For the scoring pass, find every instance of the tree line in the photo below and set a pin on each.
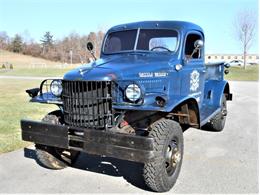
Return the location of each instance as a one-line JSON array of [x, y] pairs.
[[70, 49]]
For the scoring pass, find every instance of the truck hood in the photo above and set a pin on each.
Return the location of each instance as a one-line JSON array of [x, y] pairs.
[[124, 66]]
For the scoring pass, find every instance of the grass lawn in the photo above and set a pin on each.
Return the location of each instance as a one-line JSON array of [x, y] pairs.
[[251, 73], [14, 106]]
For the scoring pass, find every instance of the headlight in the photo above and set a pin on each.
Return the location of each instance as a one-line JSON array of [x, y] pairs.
[[56, 87], [133, 92]]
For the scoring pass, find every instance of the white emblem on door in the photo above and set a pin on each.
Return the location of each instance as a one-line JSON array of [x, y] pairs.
[[194, 80]]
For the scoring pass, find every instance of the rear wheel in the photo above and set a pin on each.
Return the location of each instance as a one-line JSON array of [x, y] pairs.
[[161, 174], [217, 123], [52, 157]]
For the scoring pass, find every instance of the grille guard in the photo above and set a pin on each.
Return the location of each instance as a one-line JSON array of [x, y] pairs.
[[88, 104]]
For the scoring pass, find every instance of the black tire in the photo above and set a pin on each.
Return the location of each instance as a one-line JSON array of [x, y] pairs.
[[161, 174], [52, 157], [217, 123]]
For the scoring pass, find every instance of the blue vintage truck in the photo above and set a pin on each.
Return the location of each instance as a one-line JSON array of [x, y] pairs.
[[150, 84]]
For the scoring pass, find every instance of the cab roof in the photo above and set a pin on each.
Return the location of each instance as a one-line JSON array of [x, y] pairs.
[[179, 25]]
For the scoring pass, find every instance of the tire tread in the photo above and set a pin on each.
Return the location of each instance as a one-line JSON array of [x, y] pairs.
[[154, 171]]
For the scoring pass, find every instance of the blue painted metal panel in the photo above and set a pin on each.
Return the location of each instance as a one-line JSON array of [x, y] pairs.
[[182, 25], [47, 98]]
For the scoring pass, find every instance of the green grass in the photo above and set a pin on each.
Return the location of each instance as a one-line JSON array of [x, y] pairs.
[[251, 73], [14, 105], [14, 102]]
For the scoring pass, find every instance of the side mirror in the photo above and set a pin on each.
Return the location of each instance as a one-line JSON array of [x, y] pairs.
[[198, 44], [90, 46]]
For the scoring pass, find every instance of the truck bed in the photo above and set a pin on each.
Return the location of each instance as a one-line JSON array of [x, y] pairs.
[[215, 70]]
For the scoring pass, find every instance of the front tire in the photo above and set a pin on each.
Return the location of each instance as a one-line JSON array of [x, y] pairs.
[[52, 157], [161, 174]]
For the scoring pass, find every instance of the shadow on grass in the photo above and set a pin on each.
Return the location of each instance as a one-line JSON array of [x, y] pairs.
[[130, 171]]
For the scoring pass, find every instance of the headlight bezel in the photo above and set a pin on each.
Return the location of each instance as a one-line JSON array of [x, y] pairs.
[[58, 84], [131, 98]]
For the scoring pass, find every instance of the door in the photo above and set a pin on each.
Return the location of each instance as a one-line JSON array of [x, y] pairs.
[[193, 77]]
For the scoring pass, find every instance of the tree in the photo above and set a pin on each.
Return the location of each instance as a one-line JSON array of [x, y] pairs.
[[47, 42], [71, 48], [33, 49], [4, 40], [100, 37], [245, 24], [96, 38], [17, 44]]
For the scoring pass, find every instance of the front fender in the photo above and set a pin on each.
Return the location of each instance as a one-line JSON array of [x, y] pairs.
[[43, 94], [47, 98], [150, 103]]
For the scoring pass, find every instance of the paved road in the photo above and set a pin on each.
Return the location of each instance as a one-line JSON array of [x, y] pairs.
[[225, 162]]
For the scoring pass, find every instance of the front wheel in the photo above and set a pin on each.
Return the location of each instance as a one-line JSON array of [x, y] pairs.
[[55, 158], [52, 157], [161, 174]]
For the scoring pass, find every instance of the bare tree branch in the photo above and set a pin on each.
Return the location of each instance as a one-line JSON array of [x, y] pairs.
[[245, 25]]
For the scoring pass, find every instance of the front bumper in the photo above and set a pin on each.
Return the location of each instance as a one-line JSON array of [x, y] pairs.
[[121, 146]]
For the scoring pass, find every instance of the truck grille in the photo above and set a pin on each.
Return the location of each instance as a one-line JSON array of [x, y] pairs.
[[88, 104]]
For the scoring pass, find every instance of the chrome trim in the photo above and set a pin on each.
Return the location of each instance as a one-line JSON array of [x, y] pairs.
[[136, 39]]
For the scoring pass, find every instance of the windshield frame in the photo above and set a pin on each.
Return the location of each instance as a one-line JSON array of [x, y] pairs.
[[137, 39]]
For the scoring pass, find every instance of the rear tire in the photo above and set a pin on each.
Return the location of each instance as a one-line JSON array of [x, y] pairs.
[[161, 174], [52, 157], [217, 123]]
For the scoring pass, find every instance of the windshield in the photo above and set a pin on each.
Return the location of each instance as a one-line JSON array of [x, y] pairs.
[[159, 40]]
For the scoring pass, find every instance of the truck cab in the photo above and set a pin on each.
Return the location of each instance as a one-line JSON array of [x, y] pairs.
[[150, 84]]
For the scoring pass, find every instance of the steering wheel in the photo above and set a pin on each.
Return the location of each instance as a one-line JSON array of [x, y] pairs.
[[160, 47]]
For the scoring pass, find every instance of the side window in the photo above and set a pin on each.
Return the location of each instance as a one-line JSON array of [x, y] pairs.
[[189, 46]]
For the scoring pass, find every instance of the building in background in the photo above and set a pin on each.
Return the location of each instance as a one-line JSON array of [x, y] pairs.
[[251, 58]]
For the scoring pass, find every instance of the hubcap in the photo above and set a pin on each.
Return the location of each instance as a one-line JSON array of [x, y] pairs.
[[172, 157], [223, 110]]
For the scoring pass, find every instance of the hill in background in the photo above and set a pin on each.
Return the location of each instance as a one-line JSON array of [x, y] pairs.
[[24, 65], [23, 61]]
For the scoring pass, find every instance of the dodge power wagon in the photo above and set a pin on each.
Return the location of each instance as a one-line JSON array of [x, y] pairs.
[[150, 84]]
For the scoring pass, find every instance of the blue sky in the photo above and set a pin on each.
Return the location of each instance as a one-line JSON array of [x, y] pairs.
[[61, 17]]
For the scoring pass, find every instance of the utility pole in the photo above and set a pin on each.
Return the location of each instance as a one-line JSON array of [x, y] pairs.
[[71, 54]]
